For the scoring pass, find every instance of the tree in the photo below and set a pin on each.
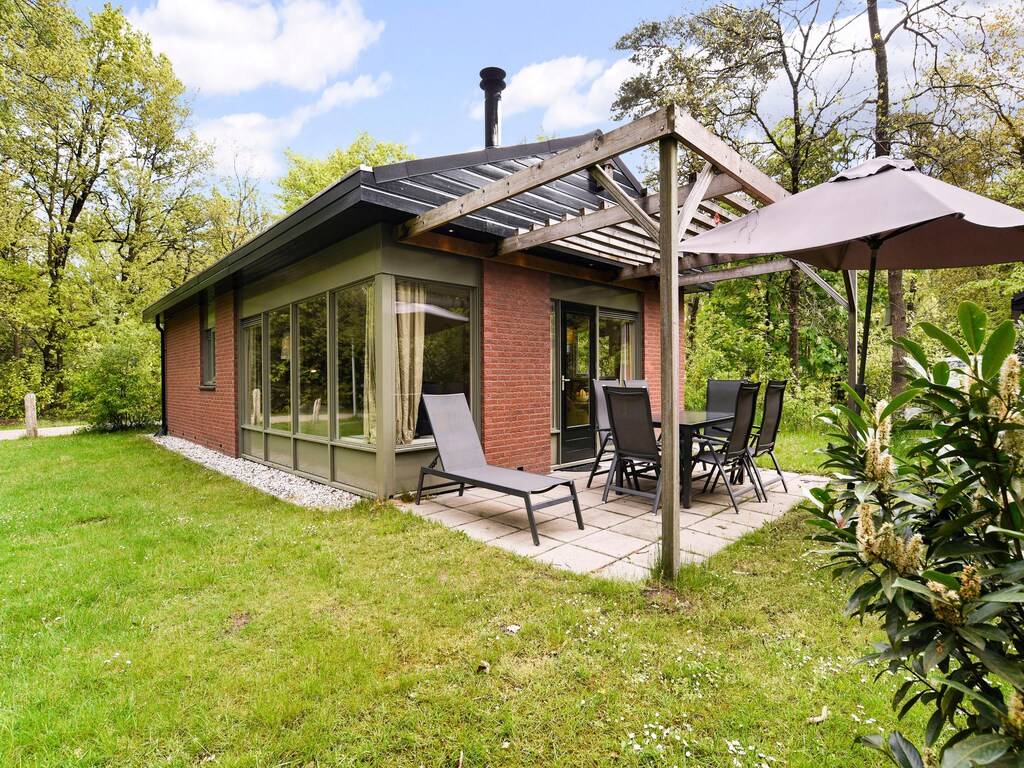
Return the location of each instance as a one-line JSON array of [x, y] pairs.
[[306, 176], [100, 173], [726, 65]]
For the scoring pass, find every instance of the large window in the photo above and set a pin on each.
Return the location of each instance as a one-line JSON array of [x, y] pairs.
[[252, 402], [280, 365], [616, 340], [314, 418], [432, 350], [357, 399]]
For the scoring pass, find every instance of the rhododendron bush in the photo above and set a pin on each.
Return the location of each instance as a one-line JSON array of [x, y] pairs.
[[929, 537]]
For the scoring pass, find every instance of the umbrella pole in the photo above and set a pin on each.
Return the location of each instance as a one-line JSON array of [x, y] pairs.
[[861, 387]]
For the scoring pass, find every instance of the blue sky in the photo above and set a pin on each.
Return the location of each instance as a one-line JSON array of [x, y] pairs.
[[310, 74]]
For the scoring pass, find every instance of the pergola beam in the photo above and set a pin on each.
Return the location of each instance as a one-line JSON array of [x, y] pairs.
[[699, 139], [636, 213], [820, 281], [700, 187], [607, 217], [734, 273], [591, 152]]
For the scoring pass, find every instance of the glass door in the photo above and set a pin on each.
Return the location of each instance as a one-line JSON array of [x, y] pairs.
[[578, 368]]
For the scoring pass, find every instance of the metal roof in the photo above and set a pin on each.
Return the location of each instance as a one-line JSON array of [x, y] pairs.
[[394, 193]]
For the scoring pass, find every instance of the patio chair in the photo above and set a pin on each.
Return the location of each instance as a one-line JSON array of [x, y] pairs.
[[731, 455], [636, 448], [721, 396], [462, 456], [763, 443], [604, 430], [637, 383]]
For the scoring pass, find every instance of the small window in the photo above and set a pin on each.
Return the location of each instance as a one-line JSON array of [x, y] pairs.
[[208, 342]]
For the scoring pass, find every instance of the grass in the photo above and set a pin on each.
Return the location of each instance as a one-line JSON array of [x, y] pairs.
[[795, 450], [154, 612]]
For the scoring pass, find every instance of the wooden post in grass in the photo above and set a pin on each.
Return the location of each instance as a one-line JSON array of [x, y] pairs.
[[31, 424]]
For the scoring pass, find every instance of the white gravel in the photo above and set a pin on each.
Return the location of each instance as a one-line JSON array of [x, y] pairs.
[[297, 490]]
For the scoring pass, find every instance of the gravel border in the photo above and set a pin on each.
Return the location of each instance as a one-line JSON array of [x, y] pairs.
[[276, 482]]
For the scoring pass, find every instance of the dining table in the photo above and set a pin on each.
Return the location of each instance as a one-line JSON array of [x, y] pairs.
[[690, 423]]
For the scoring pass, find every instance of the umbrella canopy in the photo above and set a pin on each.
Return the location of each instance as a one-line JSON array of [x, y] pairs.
[[883, 212], [923, 222]]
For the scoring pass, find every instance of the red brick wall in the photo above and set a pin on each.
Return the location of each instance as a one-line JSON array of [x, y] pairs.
[[652, 350], [204, 416], [516, 380]]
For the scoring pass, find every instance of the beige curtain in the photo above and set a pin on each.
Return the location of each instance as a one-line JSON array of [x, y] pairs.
[[254, 358], [409, 324], [370, 371], [627, 338]]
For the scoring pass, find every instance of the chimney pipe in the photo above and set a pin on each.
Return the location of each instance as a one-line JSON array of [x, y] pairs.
[[492, 81]]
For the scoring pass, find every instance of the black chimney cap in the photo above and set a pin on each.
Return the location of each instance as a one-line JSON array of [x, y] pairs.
[[492, 79]]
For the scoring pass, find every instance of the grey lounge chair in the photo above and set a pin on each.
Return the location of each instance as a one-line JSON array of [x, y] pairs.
[[462, 456]]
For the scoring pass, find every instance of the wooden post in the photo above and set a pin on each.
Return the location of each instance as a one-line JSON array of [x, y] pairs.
[[31, 424], [668, 149]]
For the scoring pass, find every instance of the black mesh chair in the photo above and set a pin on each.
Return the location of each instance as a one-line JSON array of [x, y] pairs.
[[636, 448], [730, 456], [637, 383], [763, 443], [721, 396], [604, 430]]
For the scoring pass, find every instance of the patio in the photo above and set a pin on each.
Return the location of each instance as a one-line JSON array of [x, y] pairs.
[[621, 539]]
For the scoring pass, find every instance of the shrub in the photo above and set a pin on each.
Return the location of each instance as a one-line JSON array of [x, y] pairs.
[[18, 377], [119, 385], [931, 540]]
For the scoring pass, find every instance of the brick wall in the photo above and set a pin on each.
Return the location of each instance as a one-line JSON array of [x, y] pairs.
[[652, 350], [516, 360], [204, 416]]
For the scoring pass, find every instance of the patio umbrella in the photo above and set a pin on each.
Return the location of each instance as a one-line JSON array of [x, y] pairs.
[[882, 213]]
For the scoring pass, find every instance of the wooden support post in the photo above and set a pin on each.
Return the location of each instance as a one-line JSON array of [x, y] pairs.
[[850, 283], [668, 149], [31, 423]]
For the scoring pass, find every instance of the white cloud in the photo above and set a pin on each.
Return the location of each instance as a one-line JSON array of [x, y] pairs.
[[573, 91], [260, 139], [236, 46]]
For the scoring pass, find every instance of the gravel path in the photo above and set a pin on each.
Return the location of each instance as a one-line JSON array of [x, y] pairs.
[[297, 490]]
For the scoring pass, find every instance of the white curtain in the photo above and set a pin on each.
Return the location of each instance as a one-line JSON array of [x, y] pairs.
[[627, 338], [369, 371], [409, 325]]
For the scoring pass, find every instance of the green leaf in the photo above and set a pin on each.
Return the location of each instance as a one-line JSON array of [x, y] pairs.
[[899, 401], [977, 750], [950, 582], [1009, 595], [999, 346], [953, 346], [913, 586], [972, 324], [934, 728], [1000, 665], [940, 373], [903, 752]]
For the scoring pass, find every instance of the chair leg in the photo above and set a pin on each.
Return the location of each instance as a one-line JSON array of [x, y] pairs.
[[657, 496], [533, 523], [726, 483], [755, 479], [576, 504], [419, 488], [597, 460], [779, 470], [611, 474]]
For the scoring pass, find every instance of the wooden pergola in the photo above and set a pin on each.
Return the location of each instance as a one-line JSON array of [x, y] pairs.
[[637, 237]]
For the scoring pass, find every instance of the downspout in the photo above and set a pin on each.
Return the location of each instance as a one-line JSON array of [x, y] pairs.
[[162, 431]]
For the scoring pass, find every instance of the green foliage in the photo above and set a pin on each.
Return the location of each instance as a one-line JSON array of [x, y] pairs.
[[118, 386], [18, 377], [306, 176], [931, 539]]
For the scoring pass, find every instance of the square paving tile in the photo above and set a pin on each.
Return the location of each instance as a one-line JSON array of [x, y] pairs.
[[611, 543], [452, 517], [485, 530], [564, 528], [701, 543], [521, 542], [577, 559]]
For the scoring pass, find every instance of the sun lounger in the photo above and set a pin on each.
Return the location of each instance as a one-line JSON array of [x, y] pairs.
[[462, 457]]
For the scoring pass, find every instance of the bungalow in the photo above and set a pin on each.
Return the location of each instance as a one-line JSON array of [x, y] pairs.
[[514, 275]]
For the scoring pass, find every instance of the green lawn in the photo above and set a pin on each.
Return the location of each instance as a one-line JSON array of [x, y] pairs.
[[153, 612]]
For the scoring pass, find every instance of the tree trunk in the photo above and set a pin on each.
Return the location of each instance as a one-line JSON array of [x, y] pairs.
[[898, 313], [691, 320], [883, 146], [792, 308]]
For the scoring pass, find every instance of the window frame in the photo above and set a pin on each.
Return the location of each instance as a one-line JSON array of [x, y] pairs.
[[207, 342]]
